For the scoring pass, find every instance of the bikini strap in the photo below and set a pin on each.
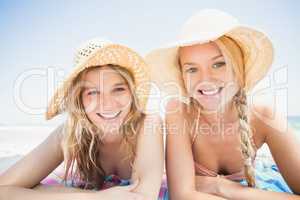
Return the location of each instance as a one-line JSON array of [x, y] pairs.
[[194, 136], [196, 131]]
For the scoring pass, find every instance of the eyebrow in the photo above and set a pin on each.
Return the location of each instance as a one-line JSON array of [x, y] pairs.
[[120, 84], [189, 63], [89, 88], [117, 84], [215, 57]]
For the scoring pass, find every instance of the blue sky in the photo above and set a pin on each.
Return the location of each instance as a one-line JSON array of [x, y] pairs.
[[36, 35]]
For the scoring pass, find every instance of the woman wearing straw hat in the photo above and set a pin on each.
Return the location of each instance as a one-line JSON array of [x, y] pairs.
[[213, 134], [106, 140]]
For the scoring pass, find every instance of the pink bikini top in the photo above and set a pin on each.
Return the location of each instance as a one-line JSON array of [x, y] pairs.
[[204, 171]]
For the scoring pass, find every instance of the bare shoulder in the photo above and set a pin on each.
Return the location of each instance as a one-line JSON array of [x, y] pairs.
[[178, 120], [152, 124], [177, 108], [261, 111], [153, 118], [266, 114], [268, 119], [58, 136], [60, 131]]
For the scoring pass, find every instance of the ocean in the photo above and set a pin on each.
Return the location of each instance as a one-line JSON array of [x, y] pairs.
[[294, 122]]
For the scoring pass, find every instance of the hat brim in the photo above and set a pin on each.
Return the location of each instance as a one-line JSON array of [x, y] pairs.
[[114, 54]]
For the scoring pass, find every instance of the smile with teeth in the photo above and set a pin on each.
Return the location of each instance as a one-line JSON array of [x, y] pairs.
[[210, 92], [109, 116]]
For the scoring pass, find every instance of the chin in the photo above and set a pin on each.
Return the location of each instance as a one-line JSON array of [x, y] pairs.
[[113, 124], [210, 108]]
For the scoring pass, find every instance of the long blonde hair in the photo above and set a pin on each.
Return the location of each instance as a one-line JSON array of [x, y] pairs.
[[234, 57], [82, 138]]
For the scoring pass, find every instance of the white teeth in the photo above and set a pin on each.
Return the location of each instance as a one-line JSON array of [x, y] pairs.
[[110, 115], [210, 92]]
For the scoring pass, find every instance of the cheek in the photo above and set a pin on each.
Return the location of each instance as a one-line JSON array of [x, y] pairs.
[[89, 103], [232, 83], [231, 88], [229, 75], [190, 82], [123, 101], [85, 101]]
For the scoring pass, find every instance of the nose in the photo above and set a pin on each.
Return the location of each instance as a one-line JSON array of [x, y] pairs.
[[106, 103], [205, 74], [206, 79]]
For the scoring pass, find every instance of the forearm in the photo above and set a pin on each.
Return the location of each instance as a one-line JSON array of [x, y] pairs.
[[16, 193], [193, 195], [149, 162], [200, 195], [247, 193], [60, 189], [149, 186]]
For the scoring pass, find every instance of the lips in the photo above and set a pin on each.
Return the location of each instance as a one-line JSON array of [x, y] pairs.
[[109, 116], [210, 92]]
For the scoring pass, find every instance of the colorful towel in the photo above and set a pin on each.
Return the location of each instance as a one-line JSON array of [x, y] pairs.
[[114, 180], [269, 178], [163, 193]]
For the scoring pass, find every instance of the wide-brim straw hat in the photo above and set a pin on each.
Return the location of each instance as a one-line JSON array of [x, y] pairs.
[[101, 52], [205, 26]]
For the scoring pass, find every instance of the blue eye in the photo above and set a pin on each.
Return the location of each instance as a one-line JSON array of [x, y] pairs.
[[218, 64], [119, 89], [94, 92], [191, 70]]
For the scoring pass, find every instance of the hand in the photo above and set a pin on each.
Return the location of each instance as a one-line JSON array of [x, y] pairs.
[[219, 186], [207, 184], [120, 192], [227, 187]]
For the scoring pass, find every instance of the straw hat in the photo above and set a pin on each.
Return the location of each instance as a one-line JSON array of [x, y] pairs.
[[99, 52], [205, 26]]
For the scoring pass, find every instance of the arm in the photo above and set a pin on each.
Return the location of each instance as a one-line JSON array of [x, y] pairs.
[[148, 165], [180, 162], [60, 189], [36, 165], [16, 193], [17, 182], [118, 192], [284, 146], [233, 190]]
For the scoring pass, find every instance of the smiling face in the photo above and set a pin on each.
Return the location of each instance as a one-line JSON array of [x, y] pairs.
[[206, 75], [106, 98]]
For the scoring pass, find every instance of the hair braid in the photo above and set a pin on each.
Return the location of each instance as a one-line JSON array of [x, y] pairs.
[[247, 148]]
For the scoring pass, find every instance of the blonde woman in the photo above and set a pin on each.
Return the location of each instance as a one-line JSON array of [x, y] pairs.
[[213, 134], [106, 140]]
